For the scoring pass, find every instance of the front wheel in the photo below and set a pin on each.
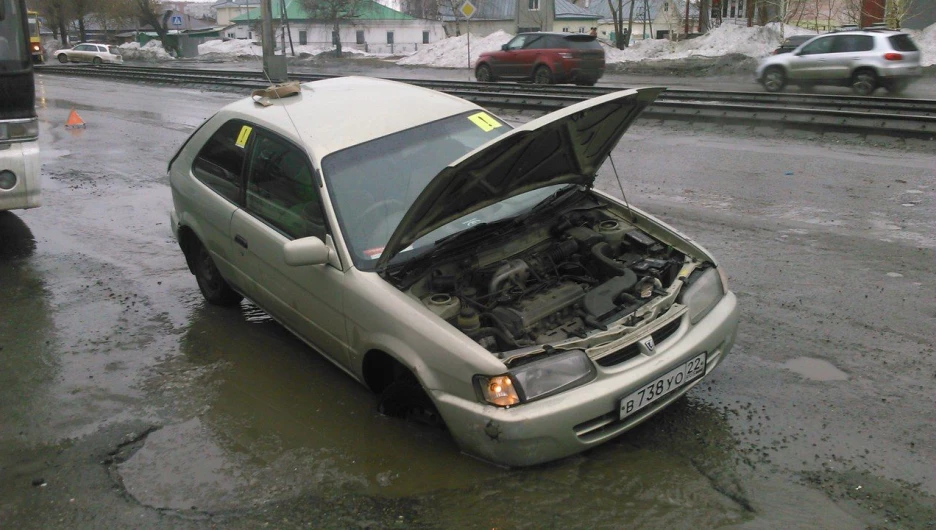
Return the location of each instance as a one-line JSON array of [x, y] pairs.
[[774, 79], [212, 285], [62, 58], [406, 399], [483, 74], [864, 83], [542, 75]]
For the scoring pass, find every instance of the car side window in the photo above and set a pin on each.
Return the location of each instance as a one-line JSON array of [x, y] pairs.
[[220, 162], [853, 43], [281, 188], [517, 42], [818, 46], [535, 43]]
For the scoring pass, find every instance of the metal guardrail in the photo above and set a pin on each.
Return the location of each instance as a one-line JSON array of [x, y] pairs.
[[893, 117]]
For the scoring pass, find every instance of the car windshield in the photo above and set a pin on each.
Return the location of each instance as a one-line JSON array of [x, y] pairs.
[[373, 184]]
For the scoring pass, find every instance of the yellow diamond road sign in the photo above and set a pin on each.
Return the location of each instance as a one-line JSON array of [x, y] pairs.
[[467, 9]]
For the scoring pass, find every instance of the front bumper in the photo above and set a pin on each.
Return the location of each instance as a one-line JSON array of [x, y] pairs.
[[587, 416]]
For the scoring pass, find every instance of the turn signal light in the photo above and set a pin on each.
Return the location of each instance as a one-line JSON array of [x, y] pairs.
[[893, 56], [499, 390]]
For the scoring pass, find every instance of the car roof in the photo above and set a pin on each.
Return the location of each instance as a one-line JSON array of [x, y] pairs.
[[333, 114], [559, 34]]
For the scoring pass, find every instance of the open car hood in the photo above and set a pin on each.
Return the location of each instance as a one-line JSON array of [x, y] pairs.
[[565, 146]]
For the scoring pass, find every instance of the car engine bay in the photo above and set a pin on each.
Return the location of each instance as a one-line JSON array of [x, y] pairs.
[[558, 279]]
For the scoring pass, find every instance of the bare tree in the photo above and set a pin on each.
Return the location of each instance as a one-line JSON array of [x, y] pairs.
[[335, 12], [111, 14], [621, 38], [150, 12], [57, 13], [425, 9], [79, 10], [453, 4]]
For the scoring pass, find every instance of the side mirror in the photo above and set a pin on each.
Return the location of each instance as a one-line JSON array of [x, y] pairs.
[[503, 47], [306, 251]]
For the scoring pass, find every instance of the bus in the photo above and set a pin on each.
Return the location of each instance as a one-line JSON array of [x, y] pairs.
[[35, 42], [19, 125]]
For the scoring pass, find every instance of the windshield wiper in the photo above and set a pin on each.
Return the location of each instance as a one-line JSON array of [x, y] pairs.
[[556, 198]]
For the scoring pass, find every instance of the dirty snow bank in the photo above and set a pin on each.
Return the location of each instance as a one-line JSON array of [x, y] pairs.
[[757, 41], [241, 48], [453, 51], [926, 40], [152, 51]]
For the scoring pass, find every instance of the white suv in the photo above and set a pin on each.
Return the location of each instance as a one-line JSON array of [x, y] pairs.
[[863, 60]]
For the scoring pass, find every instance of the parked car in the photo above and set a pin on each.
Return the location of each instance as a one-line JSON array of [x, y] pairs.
[[791, 43], [88, 52], [863, 60], [545, 58], [466, 272]]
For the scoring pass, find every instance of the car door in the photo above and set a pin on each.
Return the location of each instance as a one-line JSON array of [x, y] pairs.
[[812, 60], [76, 54], [847, 50], [283, 203], [87, 52], [526, 58], [508, 58], [215, 192]]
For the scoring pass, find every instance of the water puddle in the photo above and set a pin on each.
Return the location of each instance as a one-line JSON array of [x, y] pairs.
[[815, 369]]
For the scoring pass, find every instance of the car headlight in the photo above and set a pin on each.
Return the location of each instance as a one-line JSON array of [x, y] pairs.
[[545, 376], [703, 293]]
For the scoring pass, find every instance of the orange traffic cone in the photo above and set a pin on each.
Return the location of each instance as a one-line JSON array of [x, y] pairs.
[[74, 121]]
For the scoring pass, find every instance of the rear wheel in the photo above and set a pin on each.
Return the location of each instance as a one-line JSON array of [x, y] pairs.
[[864, 82], [96, 61], [542, 75], [62, 58], [483, 74], [212, 285], [774, 79]]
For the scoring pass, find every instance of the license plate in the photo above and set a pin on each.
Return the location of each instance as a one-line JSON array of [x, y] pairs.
[[663, 385]]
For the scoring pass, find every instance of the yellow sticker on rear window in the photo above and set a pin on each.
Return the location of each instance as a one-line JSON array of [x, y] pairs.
[[243, 136], [484, 121]]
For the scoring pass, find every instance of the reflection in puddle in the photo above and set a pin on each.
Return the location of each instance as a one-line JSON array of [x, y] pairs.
[[815, 369]]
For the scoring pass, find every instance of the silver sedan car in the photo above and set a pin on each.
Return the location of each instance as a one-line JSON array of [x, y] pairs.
[[90, 53], [465, 271]]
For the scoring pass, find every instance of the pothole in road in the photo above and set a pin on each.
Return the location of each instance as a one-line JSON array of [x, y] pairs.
[[815, 369]]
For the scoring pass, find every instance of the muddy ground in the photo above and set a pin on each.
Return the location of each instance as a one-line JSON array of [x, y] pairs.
[[126, 401]]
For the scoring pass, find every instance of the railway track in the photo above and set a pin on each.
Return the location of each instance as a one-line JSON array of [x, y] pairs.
[[878, 116]]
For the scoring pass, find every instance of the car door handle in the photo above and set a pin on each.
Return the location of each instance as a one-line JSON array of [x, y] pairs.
[[240, 241]]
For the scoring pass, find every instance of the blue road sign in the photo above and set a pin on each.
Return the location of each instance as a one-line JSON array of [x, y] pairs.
[[176, 20]]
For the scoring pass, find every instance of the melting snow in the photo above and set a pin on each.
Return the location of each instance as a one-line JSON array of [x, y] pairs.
[[453, 51]]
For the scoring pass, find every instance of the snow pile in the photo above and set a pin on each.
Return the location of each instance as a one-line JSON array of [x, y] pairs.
[[453, 51], [926, 41], [152, 51], [757, 41], [230, 48], [318, 49]]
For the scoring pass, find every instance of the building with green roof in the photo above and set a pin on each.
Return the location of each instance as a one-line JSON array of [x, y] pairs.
[[369, 27]]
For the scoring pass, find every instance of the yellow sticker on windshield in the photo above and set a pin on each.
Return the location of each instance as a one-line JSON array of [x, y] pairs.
[[243, 136], [484, 121]]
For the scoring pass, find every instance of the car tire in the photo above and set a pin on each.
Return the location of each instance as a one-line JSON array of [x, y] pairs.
[[96, 61], [897, 86], [774, 79], [483, 74], [864, 83], [542, 75], [62, 58], [405, 399], [212, 285]]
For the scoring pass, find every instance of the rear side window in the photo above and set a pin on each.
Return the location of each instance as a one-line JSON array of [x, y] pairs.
[[902, 43], [113, 50], [581, 44], [853, 43], [220, 162]]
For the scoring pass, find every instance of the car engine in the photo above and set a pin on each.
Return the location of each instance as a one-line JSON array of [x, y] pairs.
[[581, 272]]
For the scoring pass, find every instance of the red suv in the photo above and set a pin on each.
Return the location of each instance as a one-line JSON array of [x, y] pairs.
[[545, 58]]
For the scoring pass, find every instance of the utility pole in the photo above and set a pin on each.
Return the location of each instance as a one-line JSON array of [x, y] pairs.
[[274, 66]]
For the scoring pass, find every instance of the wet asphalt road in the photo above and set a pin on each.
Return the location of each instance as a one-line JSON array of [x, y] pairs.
[[126, 401]]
